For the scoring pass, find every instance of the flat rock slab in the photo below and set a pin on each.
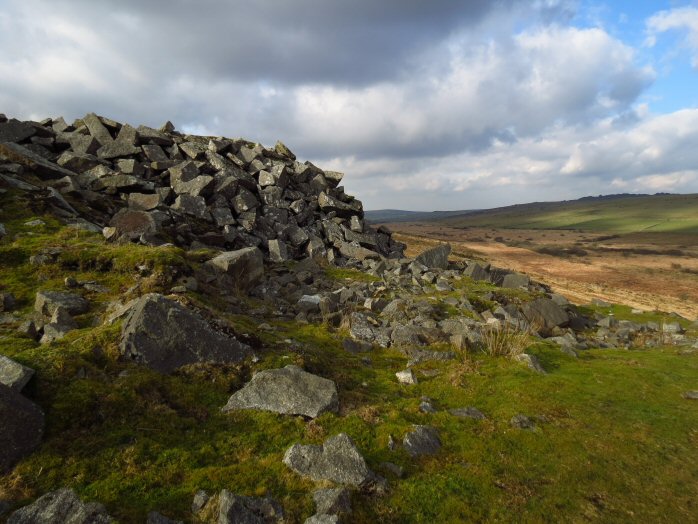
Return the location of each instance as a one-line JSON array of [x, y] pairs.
[[13, 374], [423, 440], [164, 335], [691, 395], [436, 257], [61, 507], [21, 427], [289, 391], [469, 412], [337, 460], [47, 302]]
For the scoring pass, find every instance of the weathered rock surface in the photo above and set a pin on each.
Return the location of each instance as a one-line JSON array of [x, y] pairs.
[[13, 374], [545, 313], [61, 507], [531, 361], [436, 257], [691, 395], [337, 460], [47, 302], [234, 509], [333, 501], [163, 335], [244, 266], [289, 391], [156, 518], [21, 429], [469, 412], [422, 440]]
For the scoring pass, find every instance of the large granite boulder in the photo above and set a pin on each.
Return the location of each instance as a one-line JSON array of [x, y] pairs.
[[21, 428], [164, 335], [61, 507], [337, 460], [436, 257], [289, 391], [13, 374]]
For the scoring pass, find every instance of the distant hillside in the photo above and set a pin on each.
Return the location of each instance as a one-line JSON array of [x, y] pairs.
[[399, 215], [613, 213]]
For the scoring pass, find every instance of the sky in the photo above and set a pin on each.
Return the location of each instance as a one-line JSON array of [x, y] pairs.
[[424, 105]]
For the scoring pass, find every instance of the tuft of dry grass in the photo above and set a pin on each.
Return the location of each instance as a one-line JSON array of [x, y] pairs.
[[504, 340]]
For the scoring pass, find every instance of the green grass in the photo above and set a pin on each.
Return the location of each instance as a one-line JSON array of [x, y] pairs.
[[615, 440], [340, 274], [659, 213]]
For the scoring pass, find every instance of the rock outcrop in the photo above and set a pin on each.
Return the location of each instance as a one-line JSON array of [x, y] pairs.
[[155, 186]]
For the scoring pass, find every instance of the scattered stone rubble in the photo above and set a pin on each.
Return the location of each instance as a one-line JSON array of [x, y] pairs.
[[260, 209], [158, 185]]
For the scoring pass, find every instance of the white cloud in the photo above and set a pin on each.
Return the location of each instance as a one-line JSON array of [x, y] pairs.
[[681, 19]]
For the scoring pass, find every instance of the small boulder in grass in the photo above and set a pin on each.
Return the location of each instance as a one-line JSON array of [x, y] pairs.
[[406, 377], [691, 395]]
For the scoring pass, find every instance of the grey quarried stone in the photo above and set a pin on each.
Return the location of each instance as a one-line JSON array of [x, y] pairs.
[[531, 361], [278, 252], [322, 518], [477, 272], [47, 302], [289, 391], [436, 257], [337, 460], [545, 313], [238, 509], [515, 281], [406, 377], [469, 412], [21, 429], [245, 266], [164, 335], [522, 422], [13, 374], [61, 507], [422, 440], [332, 501]]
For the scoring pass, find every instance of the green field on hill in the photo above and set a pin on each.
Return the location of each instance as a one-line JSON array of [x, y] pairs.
[[658, 213]]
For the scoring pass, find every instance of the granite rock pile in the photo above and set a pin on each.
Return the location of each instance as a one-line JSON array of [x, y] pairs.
[[158, 185]]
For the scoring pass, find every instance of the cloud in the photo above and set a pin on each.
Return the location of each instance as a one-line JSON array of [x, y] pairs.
[[424, 104], [680, 19]]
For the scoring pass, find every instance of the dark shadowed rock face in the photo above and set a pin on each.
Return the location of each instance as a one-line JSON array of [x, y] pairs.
[[423, 440], [61, 507], [48, 301], [164, 335], [21, 427], [244, 267], [290, 391], [337, 460], [436, 257], [238, 509]]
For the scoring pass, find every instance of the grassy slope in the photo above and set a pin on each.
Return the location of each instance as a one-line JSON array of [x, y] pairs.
[[616, 441], [659, 213]]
